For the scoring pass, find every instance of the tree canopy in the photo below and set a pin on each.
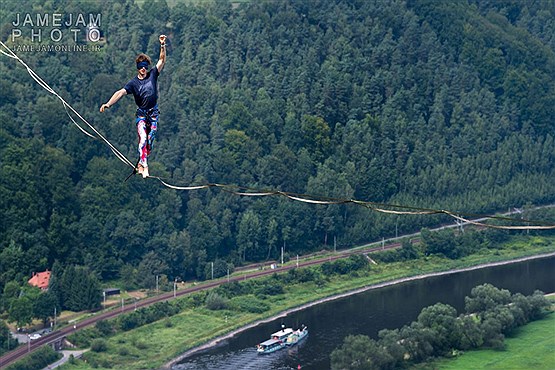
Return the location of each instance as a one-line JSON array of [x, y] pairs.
[[444, 104]]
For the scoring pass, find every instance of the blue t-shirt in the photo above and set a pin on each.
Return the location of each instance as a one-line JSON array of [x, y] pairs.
[[144, 91]]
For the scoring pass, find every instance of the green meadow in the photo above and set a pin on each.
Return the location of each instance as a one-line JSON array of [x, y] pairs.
[[153, 345], [529, 347]]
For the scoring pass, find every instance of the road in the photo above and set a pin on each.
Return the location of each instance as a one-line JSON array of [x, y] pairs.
[[63, 360], [55, 336]]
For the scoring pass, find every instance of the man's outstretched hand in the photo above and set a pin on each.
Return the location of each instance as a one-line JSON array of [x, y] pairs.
[[162, 39]]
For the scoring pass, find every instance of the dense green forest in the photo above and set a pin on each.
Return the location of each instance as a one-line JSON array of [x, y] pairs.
[[437, 104]]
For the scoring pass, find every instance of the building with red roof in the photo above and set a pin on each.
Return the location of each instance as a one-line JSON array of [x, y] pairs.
[[40, 279]]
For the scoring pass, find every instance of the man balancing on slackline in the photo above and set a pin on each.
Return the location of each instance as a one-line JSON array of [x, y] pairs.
[[144, 88]]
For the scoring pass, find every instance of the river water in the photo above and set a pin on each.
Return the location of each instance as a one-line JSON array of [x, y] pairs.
[[366, 313]]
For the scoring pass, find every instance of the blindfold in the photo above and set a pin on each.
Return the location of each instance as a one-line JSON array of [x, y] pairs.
[[142, 64]]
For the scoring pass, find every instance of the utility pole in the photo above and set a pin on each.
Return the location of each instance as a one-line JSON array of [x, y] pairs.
[[460, 224], [156, 283], [282, 251], [519, 211], [212, 263]]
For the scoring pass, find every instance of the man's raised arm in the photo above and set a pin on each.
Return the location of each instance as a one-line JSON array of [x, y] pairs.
[[162, 59]]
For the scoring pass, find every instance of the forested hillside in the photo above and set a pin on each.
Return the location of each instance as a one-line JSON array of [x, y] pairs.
[[439, 104]]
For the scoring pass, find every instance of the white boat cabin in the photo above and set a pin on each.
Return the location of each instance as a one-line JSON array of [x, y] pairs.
[[282, 334]]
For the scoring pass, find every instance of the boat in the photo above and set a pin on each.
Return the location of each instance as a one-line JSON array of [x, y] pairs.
[[297, 336], [282, 335], [277, 341], [269, 346]]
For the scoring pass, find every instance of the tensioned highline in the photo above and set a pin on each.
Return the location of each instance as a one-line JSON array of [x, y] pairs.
[[522, 224]]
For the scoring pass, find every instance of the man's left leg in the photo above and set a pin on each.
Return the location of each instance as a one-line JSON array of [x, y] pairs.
[[151, 128]]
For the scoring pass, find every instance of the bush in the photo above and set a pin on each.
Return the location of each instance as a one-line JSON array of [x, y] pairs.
[[388, 256], [105, 363], [214, 301], [37, 360], [104, 327], [344, 266], [99, 345], [270, 288], [83, 338], [140, 345], [129, 321], [250, 304], [231, 289], [538, 305], [302, 275], [147, 315], [439, 331], [123, 351]]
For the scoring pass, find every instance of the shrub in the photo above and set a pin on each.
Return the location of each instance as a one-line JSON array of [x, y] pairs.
[[83, 338], [141, 345], [388, 256], [302, 275], [231, 289], [327, 268], [538, 305], [250, 304], [123, 351], [129, 321], [344, 266], [214, 301], [105, 363], [36, 360], [104, 327], [99, 345], [270, 288]]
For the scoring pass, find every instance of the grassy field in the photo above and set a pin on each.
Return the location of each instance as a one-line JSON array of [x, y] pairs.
[[153, 345], [529, 347]]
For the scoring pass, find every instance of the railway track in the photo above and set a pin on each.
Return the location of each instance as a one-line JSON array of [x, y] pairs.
[[58, 335]]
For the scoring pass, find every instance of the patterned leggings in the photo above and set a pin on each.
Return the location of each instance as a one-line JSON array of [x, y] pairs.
[[147, 124]]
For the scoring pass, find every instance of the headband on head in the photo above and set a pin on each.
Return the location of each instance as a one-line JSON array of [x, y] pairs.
[[142, 64]]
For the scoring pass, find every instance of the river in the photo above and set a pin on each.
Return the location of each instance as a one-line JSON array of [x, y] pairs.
[[366, 313]]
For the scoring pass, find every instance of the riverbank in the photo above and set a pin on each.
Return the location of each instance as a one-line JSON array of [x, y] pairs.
[[218, 340], [195, 327]]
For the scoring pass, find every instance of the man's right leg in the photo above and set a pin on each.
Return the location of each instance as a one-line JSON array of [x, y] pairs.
[[143, 153]]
